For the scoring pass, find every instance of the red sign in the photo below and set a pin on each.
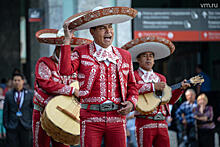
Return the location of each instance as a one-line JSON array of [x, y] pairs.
[[182, 35], [210, 35], [34, 19], [34, 15]]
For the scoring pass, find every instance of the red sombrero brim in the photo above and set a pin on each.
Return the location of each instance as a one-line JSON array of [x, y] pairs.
[[49, 36], [76, 16], [103, 16], [161, 47]]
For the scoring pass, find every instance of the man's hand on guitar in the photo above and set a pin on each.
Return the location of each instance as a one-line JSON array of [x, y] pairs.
[[184, 84], [76, 94], [159, 85]]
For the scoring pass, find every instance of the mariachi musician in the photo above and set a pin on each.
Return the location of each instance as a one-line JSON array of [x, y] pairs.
[[49, 83], [152, 129], [106, 78]]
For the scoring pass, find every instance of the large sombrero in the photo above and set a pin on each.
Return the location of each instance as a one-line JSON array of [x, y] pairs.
[[56, 37], [161, 47], [101, 16]]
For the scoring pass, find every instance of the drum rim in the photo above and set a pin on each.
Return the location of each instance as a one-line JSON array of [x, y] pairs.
[[72, 142]]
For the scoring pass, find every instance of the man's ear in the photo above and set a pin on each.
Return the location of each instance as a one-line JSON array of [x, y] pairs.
[[91, 31], [137, 60]]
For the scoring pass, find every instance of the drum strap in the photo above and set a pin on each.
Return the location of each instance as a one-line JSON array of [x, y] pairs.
[[38, 108]]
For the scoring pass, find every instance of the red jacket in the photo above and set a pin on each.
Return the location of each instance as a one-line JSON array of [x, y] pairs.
[[86, 64], [49, 83]]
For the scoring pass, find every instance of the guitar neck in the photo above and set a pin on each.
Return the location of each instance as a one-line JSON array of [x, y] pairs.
[[178, 85]]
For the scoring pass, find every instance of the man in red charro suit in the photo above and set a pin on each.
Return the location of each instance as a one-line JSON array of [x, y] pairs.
[[49, 83], [107, 84], [152, 129]]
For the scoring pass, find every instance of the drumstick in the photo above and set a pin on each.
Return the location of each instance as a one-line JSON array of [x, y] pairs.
[[145, 99], [68, 114]]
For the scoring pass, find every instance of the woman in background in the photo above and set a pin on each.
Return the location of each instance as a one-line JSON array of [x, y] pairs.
[[205, 124], [2, 129]]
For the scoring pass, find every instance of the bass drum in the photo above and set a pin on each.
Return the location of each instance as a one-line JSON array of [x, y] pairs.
[[60, 119]]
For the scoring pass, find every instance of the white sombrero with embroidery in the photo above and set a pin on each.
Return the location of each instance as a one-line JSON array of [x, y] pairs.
[[100, 16], [56, 37], [161, 47]]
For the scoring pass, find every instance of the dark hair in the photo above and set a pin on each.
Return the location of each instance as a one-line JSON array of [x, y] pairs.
[[199, 66], [138, 56], [93, 28], [18, 74], [16, 70], [3, 80]]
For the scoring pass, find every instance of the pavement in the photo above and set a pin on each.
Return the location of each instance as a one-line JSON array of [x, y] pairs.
[[173, 139]]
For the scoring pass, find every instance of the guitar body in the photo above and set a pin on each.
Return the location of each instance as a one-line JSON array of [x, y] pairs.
[[149, 102], [61, 127], [167, 95]]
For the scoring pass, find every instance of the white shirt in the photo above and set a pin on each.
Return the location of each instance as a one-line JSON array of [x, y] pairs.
[[21, 95], [148, 73], [98, 47]]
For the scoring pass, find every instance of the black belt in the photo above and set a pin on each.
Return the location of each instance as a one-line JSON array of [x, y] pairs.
[[101, 107], [158, 116]]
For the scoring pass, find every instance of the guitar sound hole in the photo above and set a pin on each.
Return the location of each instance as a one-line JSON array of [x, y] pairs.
[[159, 93]]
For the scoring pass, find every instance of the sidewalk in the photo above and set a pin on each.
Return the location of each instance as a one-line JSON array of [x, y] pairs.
[[173, 139]]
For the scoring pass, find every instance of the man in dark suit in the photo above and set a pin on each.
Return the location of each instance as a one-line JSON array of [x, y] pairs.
[[17, 114]]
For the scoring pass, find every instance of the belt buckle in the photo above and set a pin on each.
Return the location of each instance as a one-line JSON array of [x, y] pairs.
[[159, 116], [105, 107]]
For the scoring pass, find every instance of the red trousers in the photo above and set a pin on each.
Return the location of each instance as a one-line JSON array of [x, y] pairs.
[[95, 126], [150, 132], [40, 138]]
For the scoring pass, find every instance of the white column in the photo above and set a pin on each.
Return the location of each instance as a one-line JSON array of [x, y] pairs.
[[55, 17], [123, 30]]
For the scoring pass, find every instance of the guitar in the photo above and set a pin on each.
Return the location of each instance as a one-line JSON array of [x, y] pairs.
[[148, 102]]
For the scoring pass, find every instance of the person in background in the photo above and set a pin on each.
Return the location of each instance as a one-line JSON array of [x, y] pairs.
[[206, 85], [3, 83], [2, 128], [169, 119], [26, 85], [173, 124], [205, 124], [131, 137], [16, 71], [8, 87], [185, 119], [17, 114], [217, 128]]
